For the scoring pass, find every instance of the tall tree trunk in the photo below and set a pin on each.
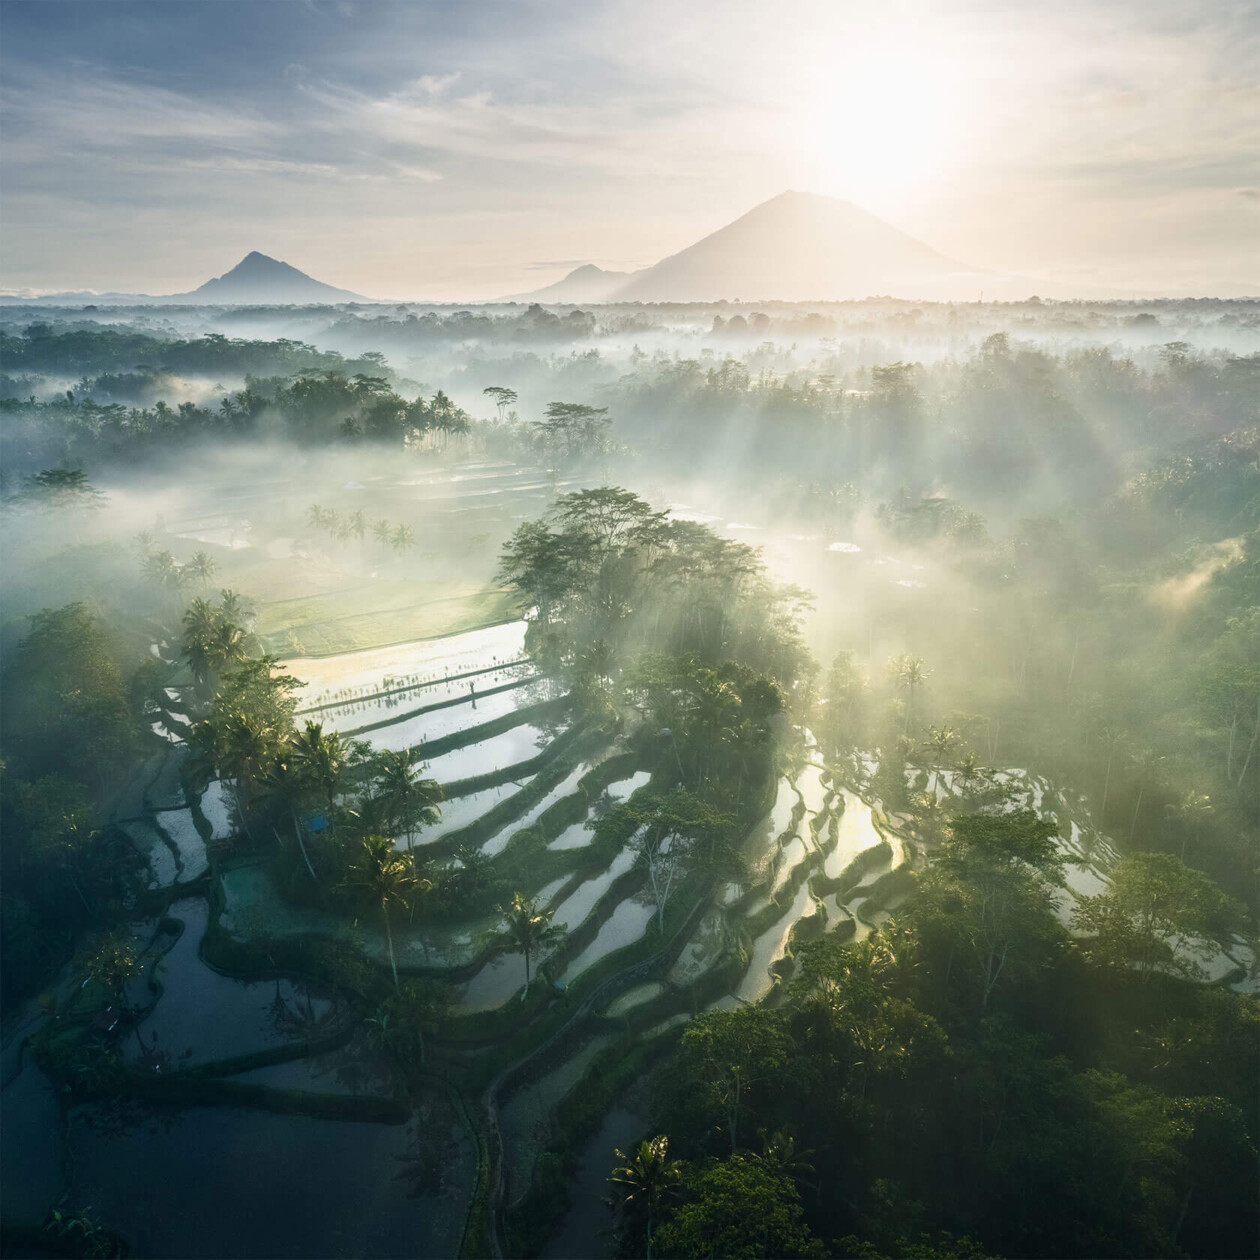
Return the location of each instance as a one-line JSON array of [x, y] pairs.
[[1251, 748], [389, 941], [297, 827]]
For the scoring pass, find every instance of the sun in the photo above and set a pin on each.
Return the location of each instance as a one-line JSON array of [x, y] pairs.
[[878, 130]]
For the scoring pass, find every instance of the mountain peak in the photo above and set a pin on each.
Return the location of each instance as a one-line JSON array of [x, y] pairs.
[[801, 246], [259, 278]]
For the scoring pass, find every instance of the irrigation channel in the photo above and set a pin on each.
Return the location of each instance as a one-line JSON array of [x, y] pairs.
[[249, 1083]]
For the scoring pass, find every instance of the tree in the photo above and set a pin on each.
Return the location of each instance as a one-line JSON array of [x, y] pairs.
[[62, 487], [940, 743], [989, 896], [212, 642], [574, 431], [670, 834], [503, 398], [288, 786], [399, 1023], [739, 1209], [1152, 914], [383, 878], [160, 569], [412, 801], [530, 929], [113, 965], [910, 672], [63, 692], [968, 772], [725, 1055], [201, 568], [324, 760], [644, 1183], [1191, 810]]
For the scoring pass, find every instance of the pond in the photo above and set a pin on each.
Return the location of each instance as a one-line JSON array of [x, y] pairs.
[[500, 979], [635, 997], [584, 1229], [218, 806], [179, 825], [350, 1071], [202, 1015], [210, 1182], [627, 924], [415, 731], [702, 950], [520, 743], [582, 900], [145, 836], [462, 810], [525, 1119], [578, 836], [31, 1147], [453, 653], [566, 787], [348, 710], [856, 833], [770, 946]]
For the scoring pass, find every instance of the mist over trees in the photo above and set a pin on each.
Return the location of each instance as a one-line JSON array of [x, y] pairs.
[[990, 573]]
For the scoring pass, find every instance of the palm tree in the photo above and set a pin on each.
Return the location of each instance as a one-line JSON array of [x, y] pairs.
[[411, 800], [160, 569], [941, 743], [911, 674], [531, 929], [248, 749], [382, 531], [402, 538], [383, 878], [782, 1156], [288, 786], [645, 1181], [235, 607], [968, 771], [201, 568], [323, 759]]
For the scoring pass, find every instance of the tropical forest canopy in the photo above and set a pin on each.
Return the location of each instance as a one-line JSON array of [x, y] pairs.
[[987, 577]]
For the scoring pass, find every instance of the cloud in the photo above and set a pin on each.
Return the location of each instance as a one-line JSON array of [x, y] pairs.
[[472, 138]]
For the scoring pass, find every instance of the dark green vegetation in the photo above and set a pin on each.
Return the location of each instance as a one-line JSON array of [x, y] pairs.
[[799, 996], [967, 1082]]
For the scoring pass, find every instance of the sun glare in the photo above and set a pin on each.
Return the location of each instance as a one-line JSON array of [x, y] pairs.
[[878, 132]]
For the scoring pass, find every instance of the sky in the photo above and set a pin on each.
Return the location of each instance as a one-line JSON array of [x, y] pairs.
[[463, 151]]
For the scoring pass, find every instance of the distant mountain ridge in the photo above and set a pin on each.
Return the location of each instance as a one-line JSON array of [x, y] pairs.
[[260, 279], [796, 247], [257, 280]]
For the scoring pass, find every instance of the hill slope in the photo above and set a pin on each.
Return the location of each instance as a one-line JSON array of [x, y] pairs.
[[798, 247], [259, 279], [587, 283]]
